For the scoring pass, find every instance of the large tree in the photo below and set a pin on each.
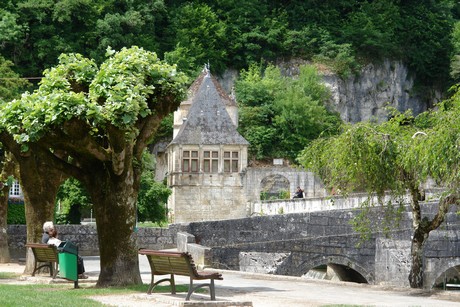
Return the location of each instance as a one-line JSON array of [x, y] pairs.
[[396, 157], [94, 123], [7, 167], [40, 179]]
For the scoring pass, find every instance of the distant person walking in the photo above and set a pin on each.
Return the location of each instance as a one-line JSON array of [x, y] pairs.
[[298, 193]]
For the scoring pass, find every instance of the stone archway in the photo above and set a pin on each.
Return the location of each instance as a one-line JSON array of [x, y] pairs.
[[449, 276], [274, 186], [335, 267]]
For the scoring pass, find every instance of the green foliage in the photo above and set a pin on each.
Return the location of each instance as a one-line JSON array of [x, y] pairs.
[[365, 157], [122, 82], [153, 195], [339, 57], [10, 30], [263, 195], [71, 198], [58, 295], [371, 216], [301, 113], [371, 29], [165, 131], [124, 89], [455, 61], [199, 37], [284, 194], [152, 200], [225, 33], [11, 85], [280, 115], [16, 213], [424, 34]]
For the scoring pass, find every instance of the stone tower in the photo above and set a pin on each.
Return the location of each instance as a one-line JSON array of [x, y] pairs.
[[207, 157]]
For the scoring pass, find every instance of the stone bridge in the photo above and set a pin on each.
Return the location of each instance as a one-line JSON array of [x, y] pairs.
[[325, 243], [319, 242]]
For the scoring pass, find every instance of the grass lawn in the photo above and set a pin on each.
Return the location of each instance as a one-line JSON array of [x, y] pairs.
[[64, 294]]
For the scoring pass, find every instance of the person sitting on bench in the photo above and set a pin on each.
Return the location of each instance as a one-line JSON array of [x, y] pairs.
[[47, 227], [55, 241]]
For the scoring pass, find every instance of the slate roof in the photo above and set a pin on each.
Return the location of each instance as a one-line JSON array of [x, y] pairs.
[[208, 122]]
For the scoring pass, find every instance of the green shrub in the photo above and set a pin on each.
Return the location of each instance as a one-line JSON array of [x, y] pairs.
[[284, 194], [16, 212], [263, 195]]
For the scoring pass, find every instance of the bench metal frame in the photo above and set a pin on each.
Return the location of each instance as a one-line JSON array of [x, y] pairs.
[[176, 263]]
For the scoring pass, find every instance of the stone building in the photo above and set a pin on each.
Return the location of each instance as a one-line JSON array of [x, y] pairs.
[[207, 157], [206, 163]]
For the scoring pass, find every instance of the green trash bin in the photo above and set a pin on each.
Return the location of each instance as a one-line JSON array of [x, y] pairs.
[[68, 266], [68, 260]]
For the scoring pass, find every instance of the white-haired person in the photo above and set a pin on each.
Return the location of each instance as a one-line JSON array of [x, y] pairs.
[[47, 228], [52, 239]]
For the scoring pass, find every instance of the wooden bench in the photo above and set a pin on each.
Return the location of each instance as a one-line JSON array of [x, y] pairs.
[[175, 263], [47, 255]]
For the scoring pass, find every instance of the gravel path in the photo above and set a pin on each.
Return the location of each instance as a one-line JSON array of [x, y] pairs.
[[240, 289]]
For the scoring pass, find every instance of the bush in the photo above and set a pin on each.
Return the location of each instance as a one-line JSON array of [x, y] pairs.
[[16, 212]]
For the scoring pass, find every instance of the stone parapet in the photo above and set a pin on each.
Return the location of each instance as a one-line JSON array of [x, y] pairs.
[[85, 237]]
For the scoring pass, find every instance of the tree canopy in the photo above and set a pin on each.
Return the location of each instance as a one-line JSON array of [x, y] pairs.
[[228, 34], [93, 123]]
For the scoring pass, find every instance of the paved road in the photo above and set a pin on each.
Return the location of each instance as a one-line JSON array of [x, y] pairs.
[[273, 291]]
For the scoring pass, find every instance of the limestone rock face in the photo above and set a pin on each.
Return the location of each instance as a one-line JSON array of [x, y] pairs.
[[364, 97]]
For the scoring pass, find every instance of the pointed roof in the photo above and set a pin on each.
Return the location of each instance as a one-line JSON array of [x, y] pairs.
[[208, 122], [193, 89]]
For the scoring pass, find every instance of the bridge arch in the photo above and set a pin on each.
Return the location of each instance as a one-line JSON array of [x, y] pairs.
[[445, 271], [346, 268]]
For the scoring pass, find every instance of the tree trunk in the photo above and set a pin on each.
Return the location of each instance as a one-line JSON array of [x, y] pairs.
[[422, 228], [417, 270], [40, 184], [8, 169], [4, 249], [114, 204]]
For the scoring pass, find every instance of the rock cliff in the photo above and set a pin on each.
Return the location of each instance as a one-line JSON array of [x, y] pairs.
[[364, 96]]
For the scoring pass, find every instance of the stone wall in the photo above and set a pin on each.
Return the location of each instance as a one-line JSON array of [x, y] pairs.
[[392, 262], [314, 204], [220, 200], [293, 244], [85, 237]]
